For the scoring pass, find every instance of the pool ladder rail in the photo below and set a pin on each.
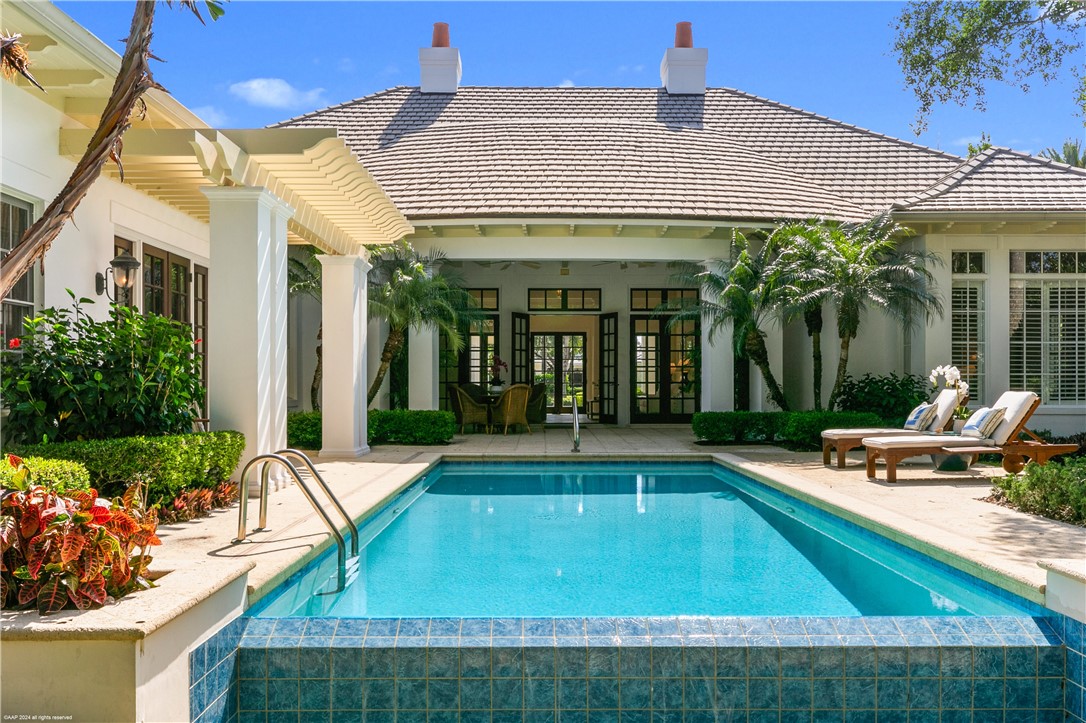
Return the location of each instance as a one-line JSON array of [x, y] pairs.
[[576, 426], [283, 457]]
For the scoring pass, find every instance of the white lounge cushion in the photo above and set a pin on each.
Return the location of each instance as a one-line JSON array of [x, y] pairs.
[[926, 440], [864, 432], [1017, 405], [920, 417], [945, 404]]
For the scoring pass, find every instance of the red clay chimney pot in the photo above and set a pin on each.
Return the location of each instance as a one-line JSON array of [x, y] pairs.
[[684, 35], [441, 35]]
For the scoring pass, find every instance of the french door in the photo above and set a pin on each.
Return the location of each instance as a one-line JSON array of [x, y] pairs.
[[558, 362], [664, 369], [608, 376]]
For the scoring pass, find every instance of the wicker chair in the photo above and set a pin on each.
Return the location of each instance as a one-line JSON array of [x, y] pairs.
[[537, 401], [512, 407], [471, 412]]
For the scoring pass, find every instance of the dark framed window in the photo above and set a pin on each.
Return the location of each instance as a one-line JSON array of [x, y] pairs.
[[653, 299], [200, 316], [15, 219], [487, 299], [166, 284], [564, 299], [967, 262]]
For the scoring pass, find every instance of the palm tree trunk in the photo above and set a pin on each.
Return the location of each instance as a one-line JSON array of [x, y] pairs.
[[754, 345], [392, 345], [842, 371], [812, 318], [318, 372]]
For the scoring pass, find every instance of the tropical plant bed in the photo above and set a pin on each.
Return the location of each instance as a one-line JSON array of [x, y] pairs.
[[391, 426], [792, 430], [1056, 491]]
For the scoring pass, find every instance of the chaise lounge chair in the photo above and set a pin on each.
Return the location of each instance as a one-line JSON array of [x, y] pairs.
[[1002, 440], [843, 440]]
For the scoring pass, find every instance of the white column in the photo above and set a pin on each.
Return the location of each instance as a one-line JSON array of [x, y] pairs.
[[247, 329], [343, 391], [422, 375], [997, 360], [717, 371], [376, 334]]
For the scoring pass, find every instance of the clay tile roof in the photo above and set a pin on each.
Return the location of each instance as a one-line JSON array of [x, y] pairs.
[[1000, 179], [487, 151]]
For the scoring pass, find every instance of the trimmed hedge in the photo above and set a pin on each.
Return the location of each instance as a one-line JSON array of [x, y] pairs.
[[889, 396], [799, 429], [304, 430], [1057, 490], [393, 426], [59, 475], [170, 465]]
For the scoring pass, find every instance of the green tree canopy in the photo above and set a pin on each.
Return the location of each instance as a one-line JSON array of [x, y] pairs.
[[1071, 153], [950, 50]]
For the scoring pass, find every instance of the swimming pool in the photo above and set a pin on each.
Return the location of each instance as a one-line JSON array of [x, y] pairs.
[[620, 540]]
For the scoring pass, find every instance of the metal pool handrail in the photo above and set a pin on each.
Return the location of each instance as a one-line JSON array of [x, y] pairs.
[[266, 461], [576, 426], [304, 459]]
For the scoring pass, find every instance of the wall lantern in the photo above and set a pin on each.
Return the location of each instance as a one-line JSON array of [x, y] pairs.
[[123, 268]]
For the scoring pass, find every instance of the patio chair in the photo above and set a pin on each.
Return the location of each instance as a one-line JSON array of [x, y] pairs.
[[1003, 440], [843, 440], [512, 407], [537, 403], [471, 411]]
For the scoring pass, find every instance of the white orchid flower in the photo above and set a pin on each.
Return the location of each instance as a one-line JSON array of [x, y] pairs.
[[952, 375]]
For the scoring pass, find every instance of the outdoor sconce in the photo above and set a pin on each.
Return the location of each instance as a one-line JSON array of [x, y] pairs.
[[123, 268]]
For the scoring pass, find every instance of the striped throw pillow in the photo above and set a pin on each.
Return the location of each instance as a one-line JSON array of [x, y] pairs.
[[983, 422], [921, 417]]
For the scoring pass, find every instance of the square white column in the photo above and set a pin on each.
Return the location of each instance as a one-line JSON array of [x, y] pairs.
[[247, 291], [717, 371], [422, 374], [343, 388]]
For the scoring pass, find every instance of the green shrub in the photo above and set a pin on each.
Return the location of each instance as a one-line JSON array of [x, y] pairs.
[[304, 430], [169, 465], [73, 377], [803, 430], [58, 475], [889, 396], [411, 426], [797, 429], [1056, 490]]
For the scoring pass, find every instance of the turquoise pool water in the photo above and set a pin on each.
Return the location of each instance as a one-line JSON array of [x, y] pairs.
[[623, 539]]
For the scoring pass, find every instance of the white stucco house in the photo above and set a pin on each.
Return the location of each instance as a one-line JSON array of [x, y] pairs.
[[560, 207]]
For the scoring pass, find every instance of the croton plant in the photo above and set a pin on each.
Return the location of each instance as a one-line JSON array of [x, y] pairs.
[[72, 549]]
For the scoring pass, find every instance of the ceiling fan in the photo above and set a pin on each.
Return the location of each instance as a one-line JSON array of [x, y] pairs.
[[626, 264], [507, 263]]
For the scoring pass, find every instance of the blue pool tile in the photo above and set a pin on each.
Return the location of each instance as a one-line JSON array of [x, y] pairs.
[[634, 693], [508, 694], [283, 694], [315, 641], [956, 662], [1021, 662], [849, 626], [793, 641], [788, 626], [987, 693], [699, 716], [667, 694], [859, 694], [378, 694], [798, 693], [956, 693], [252, 663], [630, 627], [827, 662], [315, 695], [636, 716], [569, 627], [828, 640], [442, 642], [923, 716], [348, 641], [887, 625], [819, 626], [282, 663], [539, 662], [474, 662], [573, 694], [892, 693], [315, 662], [475, 628], [695, 626], [828, 692], [868, 640], [947, 640], [253, 695], [259, 626], [985, 640], [988, 662], [667, 662], [764, 662], [346, 695], [763, 716], [507, 662], [414, 628], [1021, 693], [730, 641], [529, 716], [321, 627], [352, 628], [445, 627], [540, 693], [603, 716], [284, 641], [731, 693], [578, 641], [756, 626], [763, 693], [945, 626], [443, 662], [380, 662], [889, 641], [828, 716], [635, 662], [346, 662], [699, 662], [795, 662], [923, 662], [382, 642], [382, 627], [956, 716], [663, 626], [923, 693], [283, 717], [447, 693], [601, 626], [253, 641], [506, 642], [1051, 661], [508, 627], [539, 627], [571, 662], [410, 716], [731, 662], [289, 626], [603, 693], [894, 716], [892, 662], [726, 626], [410, 662], [603, 662]]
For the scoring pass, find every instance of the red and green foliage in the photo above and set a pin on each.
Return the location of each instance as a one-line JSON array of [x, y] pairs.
[[73, 549], [191, 504]]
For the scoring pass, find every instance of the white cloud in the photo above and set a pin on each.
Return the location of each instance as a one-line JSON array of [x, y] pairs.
[[390, 69], [275, 93], [567, 83], [212, 116], [965, 141], [345, 65]]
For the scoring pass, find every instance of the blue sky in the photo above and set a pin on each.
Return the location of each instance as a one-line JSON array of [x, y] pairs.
[[268, 61]]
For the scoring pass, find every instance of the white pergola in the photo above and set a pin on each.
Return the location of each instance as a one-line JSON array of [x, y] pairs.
[[260, 190]]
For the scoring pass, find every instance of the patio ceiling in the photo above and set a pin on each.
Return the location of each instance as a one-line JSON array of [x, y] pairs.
[[338, 206]]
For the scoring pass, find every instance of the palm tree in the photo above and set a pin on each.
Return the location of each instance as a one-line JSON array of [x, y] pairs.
[[304, 279], [407, 296], [745, 293], [799, 243], [1071, 154], [860, 266]]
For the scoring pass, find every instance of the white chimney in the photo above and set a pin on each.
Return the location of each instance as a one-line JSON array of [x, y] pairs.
[[439, 64], [682, 71]]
